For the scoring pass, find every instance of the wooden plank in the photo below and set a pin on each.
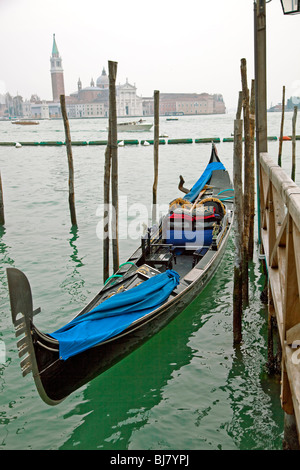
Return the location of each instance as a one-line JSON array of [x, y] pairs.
[[286, 393], [291, 295], [279, 178], [293, 375], [275, 285], [293, 206], [296, 240], [280, 240], [194, 274], [279, 210], [271, 224], [264, 185]]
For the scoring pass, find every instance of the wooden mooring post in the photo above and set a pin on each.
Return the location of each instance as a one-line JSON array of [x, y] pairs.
[[244, 199], [156, 147], [252, 174], [112, 67], [281, 126], [106, 201], [70, 160], [111, 176], [2, 218], [239, 224], [294, 120], [247, 169]]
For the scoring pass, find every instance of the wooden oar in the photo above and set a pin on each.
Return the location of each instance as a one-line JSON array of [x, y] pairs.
[[199, 196]]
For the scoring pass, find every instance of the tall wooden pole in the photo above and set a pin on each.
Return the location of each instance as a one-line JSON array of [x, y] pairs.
[[252, 172], [106, 200], [2, 218], [281, 126], [239, 106], [112, 67], [70, 160], [260, 92], [294, 120], [238, 203], [156, 146], [247, 178]]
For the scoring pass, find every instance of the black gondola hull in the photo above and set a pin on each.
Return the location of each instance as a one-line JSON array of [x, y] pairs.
[[64, 377], [55, 378]]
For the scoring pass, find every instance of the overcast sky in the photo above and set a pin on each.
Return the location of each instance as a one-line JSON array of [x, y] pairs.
[[189, 46]]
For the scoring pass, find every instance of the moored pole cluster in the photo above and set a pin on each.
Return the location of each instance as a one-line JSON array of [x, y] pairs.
[[244, 199]]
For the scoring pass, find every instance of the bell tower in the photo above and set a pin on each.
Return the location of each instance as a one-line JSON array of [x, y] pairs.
[[57, 73]]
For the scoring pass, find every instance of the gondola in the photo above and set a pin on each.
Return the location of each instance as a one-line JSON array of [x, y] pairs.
[[174, 262]]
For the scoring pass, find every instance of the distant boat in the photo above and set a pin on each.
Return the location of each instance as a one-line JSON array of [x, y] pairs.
[[172, 119], [134, 126], [24, 122]]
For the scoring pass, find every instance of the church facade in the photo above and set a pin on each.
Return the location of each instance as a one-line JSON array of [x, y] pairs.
[[93, 100]]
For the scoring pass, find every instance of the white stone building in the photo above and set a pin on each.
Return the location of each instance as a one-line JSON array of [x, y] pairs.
[[128, 103]]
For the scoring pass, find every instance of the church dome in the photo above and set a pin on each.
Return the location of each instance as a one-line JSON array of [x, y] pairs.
[[102, 81]]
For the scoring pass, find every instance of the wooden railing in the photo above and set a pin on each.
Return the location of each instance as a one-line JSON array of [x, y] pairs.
[[280, 237]]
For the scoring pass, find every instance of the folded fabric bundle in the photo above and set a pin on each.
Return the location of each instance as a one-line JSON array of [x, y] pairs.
[[115, 314]]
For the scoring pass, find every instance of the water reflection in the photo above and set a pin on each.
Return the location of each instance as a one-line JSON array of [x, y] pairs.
[[253, 394], [117, 403], [73, 284], [6, 261], [220, 395]]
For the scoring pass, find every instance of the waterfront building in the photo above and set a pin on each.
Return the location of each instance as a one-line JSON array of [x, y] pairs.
[[92, 101], [128, 103], [191, 103], [40, 110], [26, 109]]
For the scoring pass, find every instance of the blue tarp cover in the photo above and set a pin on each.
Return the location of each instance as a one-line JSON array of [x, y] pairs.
[[114, 314], [191, 196]]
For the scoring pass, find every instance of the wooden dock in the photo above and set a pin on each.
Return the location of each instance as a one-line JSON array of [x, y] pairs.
[[280, 238]]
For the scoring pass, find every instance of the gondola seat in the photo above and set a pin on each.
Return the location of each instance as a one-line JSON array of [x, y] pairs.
[[193, 228], [199, 253], [157, 254]]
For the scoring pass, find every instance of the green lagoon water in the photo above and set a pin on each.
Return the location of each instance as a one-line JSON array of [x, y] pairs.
[[187, 388]]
